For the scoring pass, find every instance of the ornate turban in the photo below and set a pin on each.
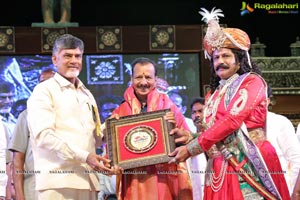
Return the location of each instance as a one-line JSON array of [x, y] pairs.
[[218, 37]]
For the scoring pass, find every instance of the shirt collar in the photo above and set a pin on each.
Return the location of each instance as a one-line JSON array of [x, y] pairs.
[[63, 82]]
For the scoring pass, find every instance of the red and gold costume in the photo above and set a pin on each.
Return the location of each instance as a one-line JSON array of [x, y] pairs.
[[234, 119], [154, 185], [240, 99]]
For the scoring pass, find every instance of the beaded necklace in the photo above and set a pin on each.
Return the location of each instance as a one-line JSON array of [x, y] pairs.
[[210, 114], [213, 103]]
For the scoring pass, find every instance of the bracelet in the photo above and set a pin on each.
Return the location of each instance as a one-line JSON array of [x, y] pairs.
[[194, 148]]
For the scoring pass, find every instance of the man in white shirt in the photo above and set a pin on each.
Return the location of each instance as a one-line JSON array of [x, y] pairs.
[[197, 164], [23, 164], [64, 126], [3, 176], [281, 134], [7, 99]]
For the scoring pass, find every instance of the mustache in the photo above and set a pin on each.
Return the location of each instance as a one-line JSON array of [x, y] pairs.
[[223, 66], [143, 86], [197, 120]]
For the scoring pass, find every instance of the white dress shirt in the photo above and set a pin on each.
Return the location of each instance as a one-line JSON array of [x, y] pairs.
[[61, 124], [3, 145], [281, 134]]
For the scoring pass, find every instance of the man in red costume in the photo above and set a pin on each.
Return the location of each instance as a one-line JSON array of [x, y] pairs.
[[233, 128], [142, 96]]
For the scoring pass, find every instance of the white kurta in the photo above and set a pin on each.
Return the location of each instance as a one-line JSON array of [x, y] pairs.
[[281, 134], [61, 124]]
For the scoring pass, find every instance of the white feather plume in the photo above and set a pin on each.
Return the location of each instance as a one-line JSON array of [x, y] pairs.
[[213, 14], [214, 36]]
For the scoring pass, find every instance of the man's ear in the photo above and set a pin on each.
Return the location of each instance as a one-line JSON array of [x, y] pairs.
[[54, 60]]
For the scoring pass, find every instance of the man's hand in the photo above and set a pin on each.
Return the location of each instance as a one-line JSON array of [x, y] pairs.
[[181, 136], [170, 117], [180, 154], [102, 164]]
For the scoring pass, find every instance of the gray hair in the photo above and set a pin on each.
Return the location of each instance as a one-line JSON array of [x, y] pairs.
[[67, 41]]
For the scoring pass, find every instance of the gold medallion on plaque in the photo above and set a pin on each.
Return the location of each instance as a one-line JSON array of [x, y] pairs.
[[140, 139]]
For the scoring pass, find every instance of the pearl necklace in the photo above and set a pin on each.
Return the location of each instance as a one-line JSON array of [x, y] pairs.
[[210, 112], [217, 181]]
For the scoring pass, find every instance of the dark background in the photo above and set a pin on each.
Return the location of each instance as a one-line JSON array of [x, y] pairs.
[[276, 31]]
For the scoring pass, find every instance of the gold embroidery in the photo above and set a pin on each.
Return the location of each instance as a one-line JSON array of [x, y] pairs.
[[240, 103], [210, 110], [257, 135]]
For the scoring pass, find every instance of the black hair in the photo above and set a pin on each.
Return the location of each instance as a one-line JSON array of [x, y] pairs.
[[18, 103], [269, 91], [183, 96], [143, 60], [6, 87], [242, 59], [195, 100]]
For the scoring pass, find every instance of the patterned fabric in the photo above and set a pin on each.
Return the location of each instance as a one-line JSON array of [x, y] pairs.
[[235, 39]]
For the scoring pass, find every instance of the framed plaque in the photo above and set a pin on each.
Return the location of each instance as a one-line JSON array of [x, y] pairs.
[[139, 140]]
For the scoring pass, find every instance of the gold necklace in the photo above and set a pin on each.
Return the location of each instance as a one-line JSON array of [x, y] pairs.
[[212, 104]]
